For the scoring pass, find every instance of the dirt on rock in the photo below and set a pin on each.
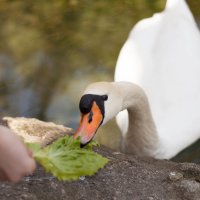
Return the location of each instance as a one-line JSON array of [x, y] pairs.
[[125, 177]]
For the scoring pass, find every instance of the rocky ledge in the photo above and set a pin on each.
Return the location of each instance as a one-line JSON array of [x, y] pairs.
[[125, 177]]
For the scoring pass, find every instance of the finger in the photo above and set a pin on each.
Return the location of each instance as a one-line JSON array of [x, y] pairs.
[[33, 166], [30, 167], [30, 153], [3, 176]]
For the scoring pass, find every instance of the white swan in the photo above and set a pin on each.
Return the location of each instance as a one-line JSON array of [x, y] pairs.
[[161, 55]]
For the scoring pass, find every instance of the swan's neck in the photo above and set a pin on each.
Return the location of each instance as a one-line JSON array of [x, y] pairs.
[[141, 138]]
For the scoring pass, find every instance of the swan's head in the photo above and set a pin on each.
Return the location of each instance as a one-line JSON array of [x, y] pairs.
[[99, 103]]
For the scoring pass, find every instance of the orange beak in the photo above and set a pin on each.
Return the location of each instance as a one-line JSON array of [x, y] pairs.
[[89, 124]]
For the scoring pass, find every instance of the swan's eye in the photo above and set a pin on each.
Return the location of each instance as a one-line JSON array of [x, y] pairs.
[[90, 117]]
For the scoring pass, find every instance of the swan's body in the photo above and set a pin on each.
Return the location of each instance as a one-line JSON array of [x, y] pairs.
[[162, 56]]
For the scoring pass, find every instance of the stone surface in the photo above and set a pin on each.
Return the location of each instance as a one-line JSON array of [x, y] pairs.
[[34, 130], [125, 177]]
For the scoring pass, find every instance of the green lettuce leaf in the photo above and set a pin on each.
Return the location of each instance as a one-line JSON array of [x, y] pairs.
[[66, 160]]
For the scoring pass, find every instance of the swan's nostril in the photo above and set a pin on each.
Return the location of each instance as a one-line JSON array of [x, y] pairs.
[[90, 117]]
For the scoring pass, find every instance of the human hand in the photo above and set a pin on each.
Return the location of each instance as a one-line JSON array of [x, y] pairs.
[[15, 159]]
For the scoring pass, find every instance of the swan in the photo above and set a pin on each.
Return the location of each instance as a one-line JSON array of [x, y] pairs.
[[160, 60]]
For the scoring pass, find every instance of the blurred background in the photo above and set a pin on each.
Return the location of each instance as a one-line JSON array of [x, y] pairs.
[[51, 50]]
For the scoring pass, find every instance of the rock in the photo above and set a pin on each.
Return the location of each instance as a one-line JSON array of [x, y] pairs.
[[34, 130], [125, 177], [175, 176]]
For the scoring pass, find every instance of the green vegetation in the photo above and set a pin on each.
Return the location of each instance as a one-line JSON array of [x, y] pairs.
[[66, 160]]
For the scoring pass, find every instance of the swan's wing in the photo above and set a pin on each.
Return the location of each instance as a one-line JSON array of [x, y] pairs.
[[162, 55]]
